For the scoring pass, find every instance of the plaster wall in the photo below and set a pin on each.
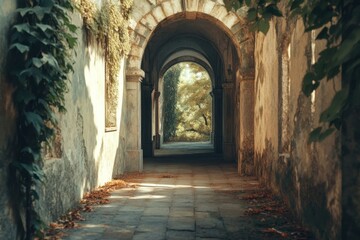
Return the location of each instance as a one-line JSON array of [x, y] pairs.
[[266, 105], [86, 155], [307, 176], [91, 155], [7, 127]]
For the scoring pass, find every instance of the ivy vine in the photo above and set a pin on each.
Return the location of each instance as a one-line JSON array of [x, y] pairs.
[[338, 24], [39, 61], [109, 26]]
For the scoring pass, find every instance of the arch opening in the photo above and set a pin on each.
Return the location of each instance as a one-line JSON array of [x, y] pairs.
[[167, 33], [186, 105], [200, 41]]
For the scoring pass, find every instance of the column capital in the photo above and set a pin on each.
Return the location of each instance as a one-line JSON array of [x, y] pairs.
[[134, 75]]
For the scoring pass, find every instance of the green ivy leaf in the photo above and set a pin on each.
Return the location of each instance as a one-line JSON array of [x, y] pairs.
[[37, 62], [334, 110], [318, 135], [323, 34], [273, 10], [34, 72], [296, 4], [35, 120], [233, 4], [252, 14], [23, 96], [46, 29], [49, 59], [26, 167], [309, 84], [314, 135], [71, 40], [347, 46], [263, 26], [30, 152], [23, 27], [38, 173], [37, 10], [20, 47]]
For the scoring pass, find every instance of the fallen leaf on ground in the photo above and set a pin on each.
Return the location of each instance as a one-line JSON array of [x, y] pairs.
[[273, 230]]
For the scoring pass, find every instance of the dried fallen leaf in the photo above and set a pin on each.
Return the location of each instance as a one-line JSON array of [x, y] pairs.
[[273, 230]]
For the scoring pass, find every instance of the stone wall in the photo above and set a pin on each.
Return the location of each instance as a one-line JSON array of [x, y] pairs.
[[91, 155], [85, 154], [307, 176]]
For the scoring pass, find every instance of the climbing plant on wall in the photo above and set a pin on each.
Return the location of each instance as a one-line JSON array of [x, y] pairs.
[[39, 63], [338, 24], [109, 26], [171, 80]]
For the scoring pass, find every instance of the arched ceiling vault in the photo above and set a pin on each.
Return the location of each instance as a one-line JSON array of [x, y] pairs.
[[198, 37]]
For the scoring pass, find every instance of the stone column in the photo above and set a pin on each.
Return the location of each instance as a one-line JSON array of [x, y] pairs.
[[228, 118], [246, 121], [217, 122], [146, 120], [134, 153]]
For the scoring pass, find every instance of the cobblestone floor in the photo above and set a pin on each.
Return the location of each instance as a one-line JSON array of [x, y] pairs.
[[176, 199]]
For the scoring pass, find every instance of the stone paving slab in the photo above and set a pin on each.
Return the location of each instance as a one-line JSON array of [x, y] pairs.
[[174, 200]]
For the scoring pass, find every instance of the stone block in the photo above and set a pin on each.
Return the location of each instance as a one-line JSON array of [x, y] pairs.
[[156, 211], [180, 235], [192, 5], [168, 9], [140, 9], [181, 223], [219, 12], [149, 21], [142, 30], [176, 5], [158, 13], [208, 6], [133, 62], [230, 20], [136, 51]]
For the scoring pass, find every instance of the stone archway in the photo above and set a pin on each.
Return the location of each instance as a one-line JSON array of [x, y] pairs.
[[180, 57], [221, 37]]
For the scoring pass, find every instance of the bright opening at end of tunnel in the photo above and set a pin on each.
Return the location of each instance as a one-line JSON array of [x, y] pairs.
[[187, 106]]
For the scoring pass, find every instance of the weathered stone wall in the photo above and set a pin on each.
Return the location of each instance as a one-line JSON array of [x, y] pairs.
[[307, 176], [91, 155], [86, 155], [266, 104]]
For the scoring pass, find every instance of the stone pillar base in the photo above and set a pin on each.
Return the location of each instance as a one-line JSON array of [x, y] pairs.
[[134, 161]]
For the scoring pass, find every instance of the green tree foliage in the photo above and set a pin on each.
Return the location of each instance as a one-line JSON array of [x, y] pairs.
[[39, 61], [194, 104], [338, 24], [171, 80]]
